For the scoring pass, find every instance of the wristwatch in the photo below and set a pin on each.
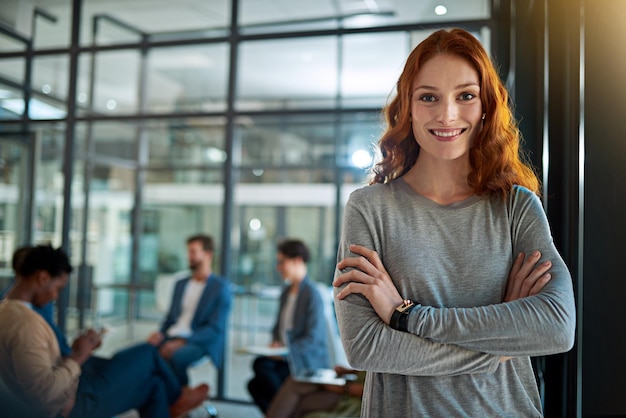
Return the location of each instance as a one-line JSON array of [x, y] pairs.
[[400, 317]]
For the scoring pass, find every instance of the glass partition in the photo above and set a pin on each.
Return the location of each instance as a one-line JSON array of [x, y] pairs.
[[187, 79], [113, 139], [307, 148], [14, 201], [116, 86], [371, 65], [10, 43], [12, 69], [106, 266], [163, 21], [287, 73], [49, 83], [49, 183], [11, 104], [52, 22]]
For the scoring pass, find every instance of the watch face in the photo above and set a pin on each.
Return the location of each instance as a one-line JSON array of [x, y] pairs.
[[405, 306]]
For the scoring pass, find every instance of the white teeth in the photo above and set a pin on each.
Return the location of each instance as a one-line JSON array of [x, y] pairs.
[[447, 134]]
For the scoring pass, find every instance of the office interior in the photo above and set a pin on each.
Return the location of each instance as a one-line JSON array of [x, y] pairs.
[[126, 126]]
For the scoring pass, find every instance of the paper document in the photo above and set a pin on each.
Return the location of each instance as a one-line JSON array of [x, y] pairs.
[[263, 350]]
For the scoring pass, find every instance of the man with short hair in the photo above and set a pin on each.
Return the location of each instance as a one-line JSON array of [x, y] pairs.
[[196, 323]]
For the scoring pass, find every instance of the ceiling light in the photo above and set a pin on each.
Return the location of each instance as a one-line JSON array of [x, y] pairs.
[[254, 224], [37, 109], [215, 155], [441, 10], [361, 158]]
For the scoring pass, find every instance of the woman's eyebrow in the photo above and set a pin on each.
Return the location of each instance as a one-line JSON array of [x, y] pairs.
[[460, 86]]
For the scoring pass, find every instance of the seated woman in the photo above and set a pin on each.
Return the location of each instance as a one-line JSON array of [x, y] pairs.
[[311, 400], [301, 313]]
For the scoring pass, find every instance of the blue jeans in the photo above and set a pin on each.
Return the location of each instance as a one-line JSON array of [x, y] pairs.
[[134, 378], [182, 359]]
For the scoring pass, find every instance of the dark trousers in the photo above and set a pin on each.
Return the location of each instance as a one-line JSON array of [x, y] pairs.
[[269, 375], [134, 378]]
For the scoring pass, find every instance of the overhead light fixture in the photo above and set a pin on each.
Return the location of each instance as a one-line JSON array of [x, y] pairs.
[[37, 109], [362, 158], [441, 10], [254, 224], [215, 155]]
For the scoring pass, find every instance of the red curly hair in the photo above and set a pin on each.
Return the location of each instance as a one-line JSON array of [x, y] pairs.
[[496, 159]]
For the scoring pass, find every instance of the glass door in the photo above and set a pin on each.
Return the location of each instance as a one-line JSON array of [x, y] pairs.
[[16, 197]]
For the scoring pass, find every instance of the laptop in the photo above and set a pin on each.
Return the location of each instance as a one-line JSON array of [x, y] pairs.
[[300, 372]]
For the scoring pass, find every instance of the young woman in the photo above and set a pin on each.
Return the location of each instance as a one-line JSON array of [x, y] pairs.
[[448, 279]]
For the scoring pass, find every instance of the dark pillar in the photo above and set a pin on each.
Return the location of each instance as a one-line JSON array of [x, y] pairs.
[[604, 311]]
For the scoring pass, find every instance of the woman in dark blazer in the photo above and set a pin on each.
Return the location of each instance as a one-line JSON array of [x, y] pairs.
[[301, 313]]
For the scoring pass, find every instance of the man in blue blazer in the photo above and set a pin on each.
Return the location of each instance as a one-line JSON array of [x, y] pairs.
[[195, 325]]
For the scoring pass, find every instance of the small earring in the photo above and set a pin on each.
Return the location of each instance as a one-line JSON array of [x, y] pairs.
[[484, 114]]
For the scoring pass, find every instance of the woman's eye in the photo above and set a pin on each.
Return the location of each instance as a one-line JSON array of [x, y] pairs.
[[467, 96], [427, 98]]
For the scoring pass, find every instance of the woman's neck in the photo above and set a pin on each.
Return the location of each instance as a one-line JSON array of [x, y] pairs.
[[443, 182]]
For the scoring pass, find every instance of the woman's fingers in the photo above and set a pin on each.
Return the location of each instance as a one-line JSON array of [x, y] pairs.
[[371, 255], [353, 276], [513, 285], [536, 279], [540, 284], [368, 262], [527, 277], [360, 263], [369, 278]]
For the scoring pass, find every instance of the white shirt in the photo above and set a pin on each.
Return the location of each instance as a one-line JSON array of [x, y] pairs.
[[191, 297], [286, 319]]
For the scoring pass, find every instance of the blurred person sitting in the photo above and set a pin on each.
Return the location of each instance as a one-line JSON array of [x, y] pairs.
[[301, 313], [46, 311], [312, 400], [32, 368], [195, 325]]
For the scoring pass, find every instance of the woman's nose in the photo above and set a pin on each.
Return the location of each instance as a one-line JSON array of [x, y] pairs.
[[448, 112]]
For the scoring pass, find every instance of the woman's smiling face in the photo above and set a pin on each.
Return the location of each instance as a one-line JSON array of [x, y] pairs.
[[446, 110]]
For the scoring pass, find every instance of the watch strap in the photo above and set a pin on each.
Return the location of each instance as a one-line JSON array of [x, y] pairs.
[[400, 317]]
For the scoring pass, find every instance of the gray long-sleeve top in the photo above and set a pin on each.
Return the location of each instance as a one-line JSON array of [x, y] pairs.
[[454, 261]]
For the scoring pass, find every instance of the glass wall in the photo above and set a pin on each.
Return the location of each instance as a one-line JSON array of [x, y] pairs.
[[14, 195], [178, 119]]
